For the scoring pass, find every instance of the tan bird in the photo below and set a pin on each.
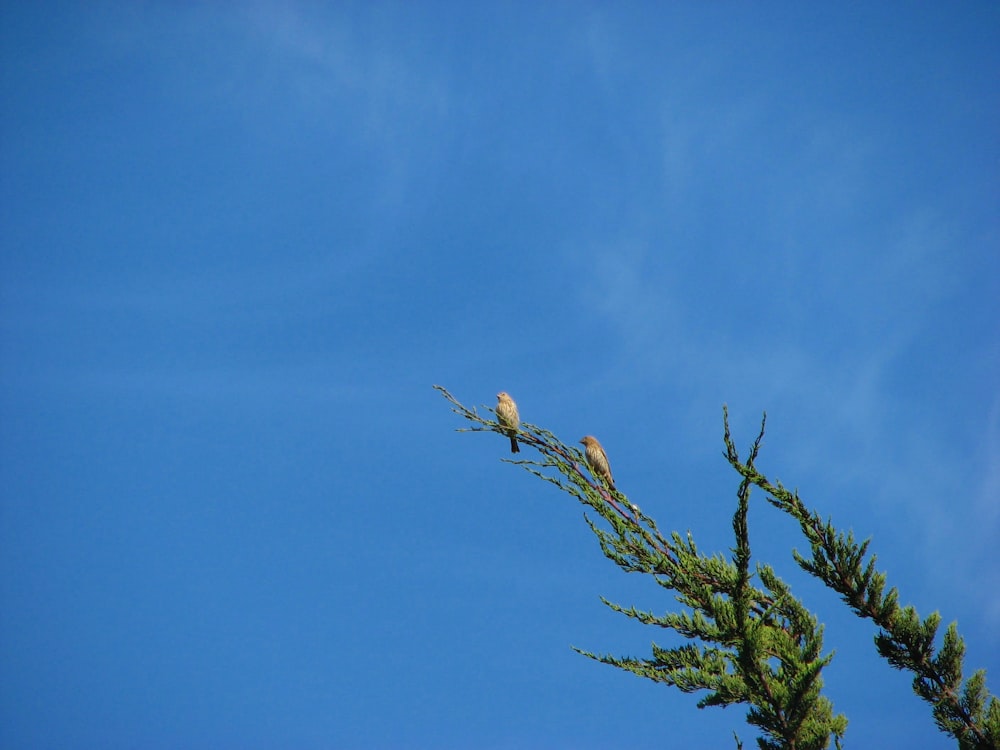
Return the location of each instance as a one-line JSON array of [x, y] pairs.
[[597, 459], [507, 414]]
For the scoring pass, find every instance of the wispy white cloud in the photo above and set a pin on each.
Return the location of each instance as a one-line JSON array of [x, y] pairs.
[[836, 285], [328, 62]]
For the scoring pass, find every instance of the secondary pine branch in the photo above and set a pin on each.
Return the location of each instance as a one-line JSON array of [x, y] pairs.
[[906, 642]]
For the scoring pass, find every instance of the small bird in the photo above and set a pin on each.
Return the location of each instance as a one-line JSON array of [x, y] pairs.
[[507, 414], [597, 459]]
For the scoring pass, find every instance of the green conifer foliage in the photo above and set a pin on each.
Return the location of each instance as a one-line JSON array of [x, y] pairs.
[[751, 641]]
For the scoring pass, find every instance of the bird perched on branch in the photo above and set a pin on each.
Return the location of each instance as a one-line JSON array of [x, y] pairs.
[[597, 459], [507, 414]]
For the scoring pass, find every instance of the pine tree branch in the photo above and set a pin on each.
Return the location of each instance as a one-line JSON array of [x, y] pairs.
[[904, 640], [753, 645]]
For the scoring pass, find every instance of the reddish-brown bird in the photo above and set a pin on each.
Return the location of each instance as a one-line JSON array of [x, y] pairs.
[[597, 459], [507, 414]]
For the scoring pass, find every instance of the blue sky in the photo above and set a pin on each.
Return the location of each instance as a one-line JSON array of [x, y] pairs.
[[240, 242]]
